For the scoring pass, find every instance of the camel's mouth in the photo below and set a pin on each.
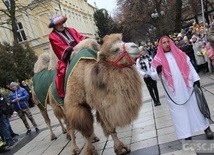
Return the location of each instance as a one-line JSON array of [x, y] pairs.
[[134, 52]]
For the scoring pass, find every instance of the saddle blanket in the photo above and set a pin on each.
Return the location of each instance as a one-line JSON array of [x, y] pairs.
[[44, 80]]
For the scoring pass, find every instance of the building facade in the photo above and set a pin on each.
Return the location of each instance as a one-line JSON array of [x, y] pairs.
[[33, 19]]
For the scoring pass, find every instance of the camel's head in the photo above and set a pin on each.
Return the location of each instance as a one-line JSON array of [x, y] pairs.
[[116, 52]]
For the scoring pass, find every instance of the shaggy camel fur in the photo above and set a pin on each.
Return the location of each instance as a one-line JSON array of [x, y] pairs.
[[48, 61], [115, 93]]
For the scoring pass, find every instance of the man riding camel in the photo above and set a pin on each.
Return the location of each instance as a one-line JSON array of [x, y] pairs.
[[63, 40]]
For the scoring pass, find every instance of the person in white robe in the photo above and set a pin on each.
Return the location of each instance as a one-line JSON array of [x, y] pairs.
[[179, 77]]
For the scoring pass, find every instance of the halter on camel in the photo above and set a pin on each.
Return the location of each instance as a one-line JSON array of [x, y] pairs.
[[123, 54]]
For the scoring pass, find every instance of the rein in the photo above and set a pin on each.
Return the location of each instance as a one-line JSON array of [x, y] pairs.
[[123, 54], [170, 96]]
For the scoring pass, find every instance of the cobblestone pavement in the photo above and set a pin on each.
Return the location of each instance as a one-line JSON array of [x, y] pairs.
[[151, 134]]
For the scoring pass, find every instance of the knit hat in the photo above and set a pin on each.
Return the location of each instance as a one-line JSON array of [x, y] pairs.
[[180, 35], [56, 19], [212, 27], [13, 84], [185, 38]]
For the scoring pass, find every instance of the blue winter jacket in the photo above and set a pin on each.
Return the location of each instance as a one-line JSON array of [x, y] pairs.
[[23, 95]]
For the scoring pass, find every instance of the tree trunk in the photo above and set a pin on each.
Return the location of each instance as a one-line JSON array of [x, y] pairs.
[[206, 14], [178, 15], [13, 20]]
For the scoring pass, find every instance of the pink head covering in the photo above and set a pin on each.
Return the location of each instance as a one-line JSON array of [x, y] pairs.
[[180, 57]]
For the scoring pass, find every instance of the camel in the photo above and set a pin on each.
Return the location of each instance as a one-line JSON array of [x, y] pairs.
[[47, 62], [109, 85]]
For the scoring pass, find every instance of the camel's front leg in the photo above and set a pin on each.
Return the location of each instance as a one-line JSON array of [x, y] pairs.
[[89, 148], [94, 138], [74, 148], [119, 147], [47, 120]]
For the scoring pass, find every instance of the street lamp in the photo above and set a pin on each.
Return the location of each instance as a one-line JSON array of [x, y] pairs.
[[157, 16], [202, 10], [162, 13], [152, 32], [105, 13]]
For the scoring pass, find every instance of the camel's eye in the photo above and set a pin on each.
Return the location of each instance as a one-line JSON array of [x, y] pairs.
[[117, 50]]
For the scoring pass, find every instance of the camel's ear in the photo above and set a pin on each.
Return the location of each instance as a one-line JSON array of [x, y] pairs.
[[119, 36], [100, 56], [97, 76]]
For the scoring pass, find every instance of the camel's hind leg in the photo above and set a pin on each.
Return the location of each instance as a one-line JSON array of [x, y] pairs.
[[80, 118], [44, 113], [119, 147]]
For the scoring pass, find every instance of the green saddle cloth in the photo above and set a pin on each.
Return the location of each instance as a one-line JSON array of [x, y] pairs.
[[43, 80], [41, 83], [82, 54]]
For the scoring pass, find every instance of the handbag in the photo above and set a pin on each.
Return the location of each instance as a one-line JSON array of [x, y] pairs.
[[202, 103]]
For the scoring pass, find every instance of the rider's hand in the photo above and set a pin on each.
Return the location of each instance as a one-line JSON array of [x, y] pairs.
[[66, 55]]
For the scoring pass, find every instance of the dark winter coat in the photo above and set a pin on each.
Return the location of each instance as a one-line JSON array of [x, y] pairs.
[[4, 108]]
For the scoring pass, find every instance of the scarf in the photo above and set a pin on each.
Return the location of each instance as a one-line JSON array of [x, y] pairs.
[[180, 58], [66, 37], [142, 62]]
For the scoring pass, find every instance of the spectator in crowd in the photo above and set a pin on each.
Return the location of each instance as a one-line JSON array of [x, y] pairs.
[[188, 49], [210, 54], [19, 97], [176, 41], [28, 89], [199, 57], [210, 37], [3, 148], [179, 77], [6, 131], [143, 64], [7, 110], [62, 39], [189, 32], [210, 45], [180, 40], [150, 49]]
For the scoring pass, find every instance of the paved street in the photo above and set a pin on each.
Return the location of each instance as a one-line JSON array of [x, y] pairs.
[[151, 134]]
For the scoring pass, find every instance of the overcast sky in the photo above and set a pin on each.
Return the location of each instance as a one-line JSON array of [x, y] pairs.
[[109, 5]]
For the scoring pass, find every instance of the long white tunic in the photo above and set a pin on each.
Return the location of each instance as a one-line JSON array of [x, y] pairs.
[[187, 118]]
